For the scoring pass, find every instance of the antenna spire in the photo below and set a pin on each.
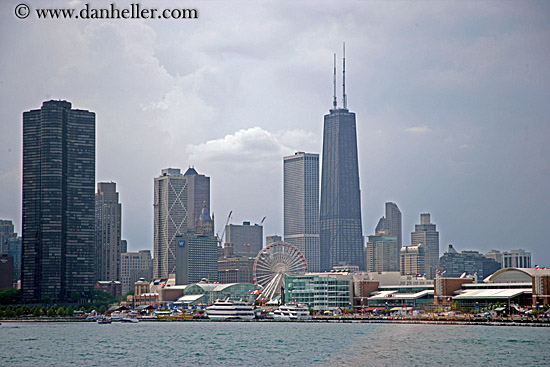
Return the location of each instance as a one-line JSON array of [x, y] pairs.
[[344, 97], [334, 102]]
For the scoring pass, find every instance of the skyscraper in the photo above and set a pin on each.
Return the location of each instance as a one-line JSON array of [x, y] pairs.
[[391, 223], [58, 226], [199, 194], [301, 205], [341, 233], [247, 240], [6, 232], [108, 212], [426, 234], [133, 266], [382, 252], [171, 216]]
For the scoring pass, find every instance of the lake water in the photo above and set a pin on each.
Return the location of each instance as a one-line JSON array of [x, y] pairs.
[[271, 344]]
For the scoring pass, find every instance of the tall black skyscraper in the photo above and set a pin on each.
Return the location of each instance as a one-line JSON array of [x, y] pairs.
[[341, 234], [58, 202]]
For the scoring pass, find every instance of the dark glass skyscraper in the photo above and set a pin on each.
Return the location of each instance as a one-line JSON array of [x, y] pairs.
[[341, 234], [58, 202]]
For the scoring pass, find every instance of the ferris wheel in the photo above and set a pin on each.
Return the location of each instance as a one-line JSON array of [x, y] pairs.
[[273, 263]]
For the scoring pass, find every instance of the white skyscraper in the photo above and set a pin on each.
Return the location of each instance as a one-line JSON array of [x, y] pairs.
[[426, 234], [301, 205]]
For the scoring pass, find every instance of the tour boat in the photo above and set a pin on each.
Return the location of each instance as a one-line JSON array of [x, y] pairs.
[[224, 310], [293, 312]]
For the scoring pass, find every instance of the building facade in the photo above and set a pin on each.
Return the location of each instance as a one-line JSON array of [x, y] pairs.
[[236, 269], [426, 234], [14, 251], [7, 231], [171, 216], [108, 226], [58, 226], [341, 233], [133, 266], [382, 252], [301, 205], [391, 222], [247, 240], [198, 191], [413, 260], [467, 262]]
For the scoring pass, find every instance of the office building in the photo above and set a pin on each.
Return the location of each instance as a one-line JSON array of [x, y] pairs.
[[301, 205], [198, 191], [413, 260], [341, 233], [58, 226], [382, 252], [6, 232], [236, 269], [197, 252], [14, 251], [171, 216], [391, 222], [272, 239], [6, 271], [133, 266], [426, 234], [511, 259], [472, 263], [246, 239], [108, 212]]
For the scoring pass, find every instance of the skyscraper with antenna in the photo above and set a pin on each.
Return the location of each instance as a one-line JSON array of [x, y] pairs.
[[341, 233]]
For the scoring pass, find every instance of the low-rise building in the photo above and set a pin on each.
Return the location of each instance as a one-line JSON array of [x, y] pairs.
[[114, 287]]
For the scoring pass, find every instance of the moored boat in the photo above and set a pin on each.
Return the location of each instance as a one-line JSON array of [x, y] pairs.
[[292, 312], [226, 310]]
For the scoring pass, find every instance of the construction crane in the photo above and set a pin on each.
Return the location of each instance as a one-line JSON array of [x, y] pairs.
[[262, 221], [220, 238]]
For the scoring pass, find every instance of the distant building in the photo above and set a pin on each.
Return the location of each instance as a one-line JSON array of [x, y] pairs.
[[426, 234], [197, 252], [391, 223], [272, 239], [340, 226], [14, 250], [58, 226], [301, 205], [236, 269], [198, 195], [382, 252], [108, 225], [511, 259], [247, 240], [7, 231], [133, 266], [413, 260], [6, 271], [171, 216], [467, 262]]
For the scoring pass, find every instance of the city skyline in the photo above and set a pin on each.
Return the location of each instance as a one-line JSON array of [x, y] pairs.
[[452, 118]]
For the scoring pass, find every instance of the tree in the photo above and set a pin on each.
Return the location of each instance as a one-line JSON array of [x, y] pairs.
[[75, 297], [37, 311], [47, 300], [51, 312], [9, 296], [69, 311], [60, 311]]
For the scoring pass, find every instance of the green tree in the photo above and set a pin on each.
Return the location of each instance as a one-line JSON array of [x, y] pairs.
[[74, 297], [47, 300], [50, 312], [69, 311], [19, 311], [9, 296], [9, 312], [60, 311]]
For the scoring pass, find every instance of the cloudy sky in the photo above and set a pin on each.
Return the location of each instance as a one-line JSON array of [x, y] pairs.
[[452, 103]]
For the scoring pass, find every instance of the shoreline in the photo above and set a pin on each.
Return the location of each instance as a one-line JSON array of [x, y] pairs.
[[354, 320]]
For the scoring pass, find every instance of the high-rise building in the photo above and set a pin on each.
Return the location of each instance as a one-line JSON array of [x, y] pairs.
[[108, 212], [426, 234], [511, 259], [467, 262], [341, 233], [236, 269], [382, 252], [272, 239], [171, 216], [197, 252], [6, 232], [58, 227], [198, 191], [14, 251], [413, 259], [391, 222], [247, 240], [301, 205], [133, 266]]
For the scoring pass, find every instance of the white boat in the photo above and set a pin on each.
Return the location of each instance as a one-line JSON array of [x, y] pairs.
[[293, 312], [224, 310]]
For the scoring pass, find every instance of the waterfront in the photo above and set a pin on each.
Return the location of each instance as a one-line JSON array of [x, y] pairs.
[[271, 344]]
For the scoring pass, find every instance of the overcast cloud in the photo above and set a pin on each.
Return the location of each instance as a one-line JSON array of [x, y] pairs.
[[452, 103]]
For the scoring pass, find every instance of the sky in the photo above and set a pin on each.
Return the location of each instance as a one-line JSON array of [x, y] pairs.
[[452, 101]]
